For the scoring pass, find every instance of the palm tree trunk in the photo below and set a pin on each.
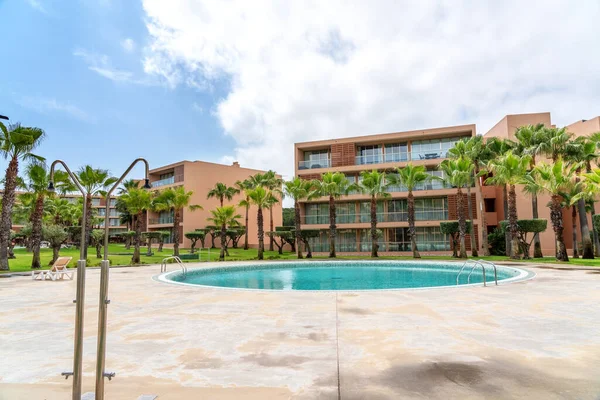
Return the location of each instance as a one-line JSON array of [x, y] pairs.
[[298, 232], [271, 228], [161, 241], [137, 239], [462, 225], [98, 249], [176, 217], [507, 235], [223, 242], [595, 233], [574, 220], [537, 244], [412, 231], [557, 224], [88, 224], [484, 239], [149, 252], [374, 244], [246, 246], [586, 240], [8, 200], [512, 222], [474, 251], [261, 233], [332, 227], [36, 231]]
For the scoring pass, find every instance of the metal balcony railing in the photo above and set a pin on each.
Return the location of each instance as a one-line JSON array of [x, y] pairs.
[[161, 220], [312, 164]]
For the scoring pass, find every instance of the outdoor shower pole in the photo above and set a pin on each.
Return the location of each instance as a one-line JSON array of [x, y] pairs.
[[103, 301], [80, 295]]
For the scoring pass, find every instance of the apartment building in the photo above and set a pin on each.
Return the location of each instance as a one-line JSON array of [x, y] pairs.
[[200, 177], [383, 152], [433, 202]]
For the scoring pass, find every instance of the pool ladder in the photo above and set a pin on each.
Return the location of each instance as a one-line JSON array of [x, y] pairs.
[[482, 264], [163, 265]]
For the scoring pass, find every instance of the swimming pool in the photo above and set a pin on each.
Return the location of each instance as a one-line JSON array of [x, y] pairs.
[[342, 275]]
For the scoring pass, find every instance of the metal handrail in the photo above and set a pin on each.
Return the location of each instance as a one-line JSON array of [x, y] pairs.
[[163, 265], [493, 265], [473, 269], [463, 267], [481, 264]]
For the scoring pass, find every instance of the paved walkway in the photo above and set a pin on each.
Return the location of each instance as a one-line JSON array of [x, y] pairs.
[[535, 339]]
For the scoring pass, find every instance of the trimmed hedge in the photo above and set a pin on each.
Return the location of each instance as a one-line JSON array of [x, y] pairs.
[[450, 228], [528, 225]]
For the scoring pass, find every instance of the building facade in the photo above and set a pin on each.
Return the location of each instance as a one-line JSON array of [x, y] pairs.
[[384, 152], [433, 202], [200, 177]]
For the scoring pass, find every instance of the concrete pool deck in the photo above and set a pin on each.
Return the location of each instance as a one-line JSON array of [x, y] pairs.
[[534, 339]]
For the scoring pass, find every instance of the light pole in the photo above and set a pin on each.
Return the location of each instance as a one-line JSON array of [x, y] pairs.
[[80, 296], [103, 301], [4, 117]]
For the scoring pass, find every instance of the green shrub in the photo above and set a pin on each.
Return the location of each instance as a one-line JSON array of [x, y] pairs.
[[526, 226], [497, 242], [596, 223]]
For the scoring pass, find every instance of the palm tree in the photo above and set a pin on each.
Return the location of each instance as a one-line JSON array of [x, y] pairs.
[[298, 189], [224, 216], [137, 202], [409, 177], [570, 200], [221, 191], [175, 199], [36, 186], [128, 185], [16, 143], [373, 183], [260, 197], [273, 183], [95, 182], [243, 187], [510, 170], [333, 185], [580, 153], [554, 142], [555, 180], [594, 138], [458, 173], [497, 148], [531, 140]]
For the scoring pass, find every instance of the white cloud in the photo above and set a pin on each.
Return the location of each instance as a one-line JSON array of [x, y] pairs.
[[101, 64], [128, 45], [301, 71], [37, 5], [50, 106]]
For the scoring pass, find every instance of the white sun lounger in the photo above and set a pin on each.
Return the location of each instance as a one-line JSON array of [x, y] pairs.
[[58, 271]]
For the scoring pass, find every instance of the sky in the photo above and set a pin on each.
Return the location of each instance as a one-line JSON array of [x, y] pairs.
[[226, 81]]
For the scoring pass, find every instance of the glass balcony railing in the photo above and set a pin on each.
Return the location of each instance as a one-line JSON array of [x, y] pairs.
[[312, 164], [370, 159], [167, 181], [396, 157], [161, 220], [365, 246], [394, 216]]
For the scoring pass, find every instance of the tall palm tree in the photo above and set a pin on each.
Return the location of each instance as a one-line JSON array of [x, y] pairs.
[[224, 216], [260, 197], [36, 186], [580, 153], [497, 148], [570, 200], [16, 143], [221, 191], [594, 138], [127, 185], [298, 189], [409, 177], [243, 187], [176, 200], [332, 185], [137, 202], [273, 183], [531, 140], [510, 170], [554, 142], [96, 182], [555, 179], [458, 173], [373, 183]]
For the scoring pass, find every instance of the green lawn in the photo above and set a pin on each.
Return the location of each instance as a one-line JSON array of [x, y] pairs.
[[23, 260]]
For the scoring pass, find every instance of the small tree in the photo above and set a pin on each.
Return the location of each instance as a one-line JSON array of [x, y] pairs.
[[292, 229], [452, 228], [526, 226], [150, 236], [161, 239], [194, 237], [213, 232], [235, 234], [56, 235], [97, 239], [280, 238], [127, 236], [305, 236]]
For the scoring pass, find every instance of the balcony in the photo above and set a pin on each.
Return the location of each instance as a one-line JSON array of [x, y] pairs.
[[313, 164], [394, 216], [160, 220], [369, 159], [167, 181]]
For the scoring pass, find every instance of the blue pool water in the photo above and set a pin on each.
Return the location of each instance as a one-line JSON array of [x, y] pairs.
[[340, 275]]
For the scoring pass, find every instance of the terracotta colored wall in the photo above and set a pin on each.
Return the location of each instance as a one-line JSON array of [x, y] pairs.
[[343, 154]]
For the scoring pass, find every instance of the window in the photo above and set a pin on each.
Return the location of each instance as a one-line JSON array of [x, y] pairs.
[[315, 159], [95, 202], [166, 175], [317, 213], [113, 202], [396, 152], [101, 212], [366, 241], [397, 211], [369, 155], [490, 205], [428, 239], [345, 213], [365, 211], [431, 209], [432, 148], [114, 222], [345, 240]]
